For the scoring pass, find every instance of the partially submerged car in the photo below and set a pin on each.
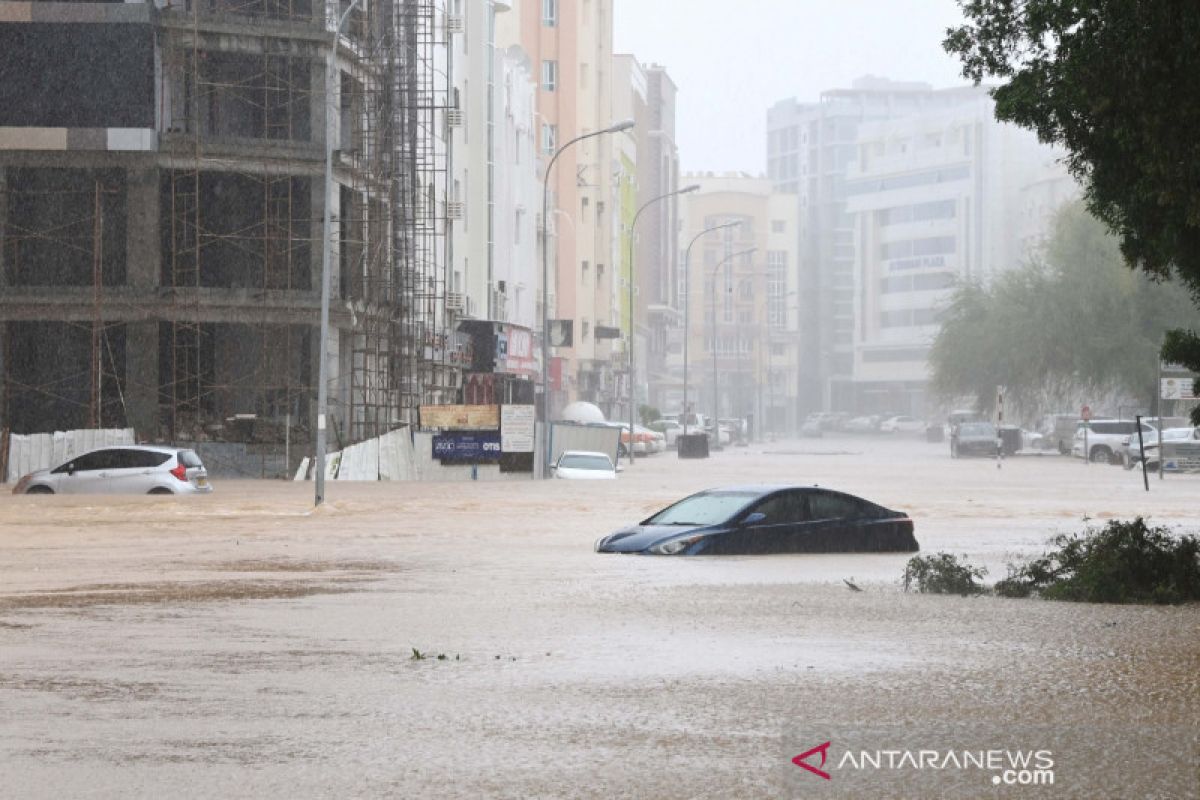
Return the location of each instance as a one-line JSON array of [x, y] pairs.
[[584, 465], [1182, 448], [744, 520], [974, 439], [128, 469]]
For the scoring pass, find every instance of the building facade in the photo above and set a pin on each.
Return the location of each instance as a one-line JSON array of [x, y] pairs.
[[739, 297], [161, 237], [938, 198]]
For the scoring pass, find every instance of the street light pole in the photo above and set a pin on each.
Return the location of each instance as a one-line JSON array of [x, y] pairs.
[[617, 128], [326, 255], [632, 237], [716, 396], [687, 266]]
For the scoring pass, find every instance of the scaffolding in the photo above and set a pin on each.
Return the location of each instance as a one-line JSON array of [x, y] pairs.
[[244, 124]]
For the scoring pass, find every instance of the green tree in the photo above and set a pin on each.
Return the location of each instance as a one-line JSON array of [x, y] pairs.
[[1074, 323], [1113, 81]]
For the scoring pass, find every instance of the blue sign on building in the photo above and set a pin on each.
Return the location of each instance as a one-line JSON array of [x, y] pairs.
[[479, 447]]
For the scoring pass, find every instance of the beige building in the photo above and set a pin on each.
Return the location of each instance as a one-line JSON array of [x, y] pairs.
[[570, 49], [742, 322]]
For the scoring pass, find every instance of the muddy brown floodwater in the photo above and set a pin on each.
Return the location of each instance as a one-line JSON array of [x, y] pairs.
[[242, 645]]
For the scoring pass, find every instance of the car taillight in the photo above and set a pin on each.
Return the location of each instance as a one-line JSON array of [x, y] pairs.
[[180, 472]]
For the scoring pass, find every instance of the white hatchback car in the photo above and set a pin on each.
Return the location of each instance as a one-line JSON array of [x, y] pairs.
[[128, 469], [585, 465]]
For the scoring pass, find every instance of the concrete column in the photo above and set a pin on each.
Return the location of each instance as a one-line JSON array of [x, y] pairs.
[[3, 227], [143, 272]]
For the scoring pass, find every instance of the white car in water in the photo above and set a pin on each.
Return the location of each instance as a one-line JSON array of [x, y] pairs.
[[902, 425], [127, 469], [584, 465]]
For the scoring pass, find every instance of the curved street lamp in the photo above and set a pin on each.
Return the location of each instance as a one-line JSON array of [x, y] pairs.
[[716, 397], [687, 265], [624, 125], [632, 238]]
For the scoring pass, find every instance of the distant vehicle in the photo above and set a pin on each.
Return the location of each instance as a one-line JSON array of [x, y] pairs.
[[811, 429], [902, 424], [655, 441], [862, 424], [669, 427], [739, 430], [744, 520], [1183, 450], [584, 465], [973, 439], [128, 469], [1131, 454], [1058, 431], [1105, 439]]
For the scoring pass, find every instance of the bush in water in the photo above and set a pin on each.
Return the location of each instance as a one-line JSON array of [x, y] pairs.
[[943, 573]]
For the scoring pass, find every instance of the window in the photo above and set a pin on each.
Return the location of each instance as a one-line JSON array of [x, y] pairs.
[[783, 508], [549, 75], [550, 13], [586, 326], [549, 138], [827, 505], [778, 226], [776, 281]]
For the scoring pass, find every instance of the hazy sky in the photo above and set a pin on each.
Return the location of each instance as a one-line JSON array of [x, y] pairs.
[[732, 59]]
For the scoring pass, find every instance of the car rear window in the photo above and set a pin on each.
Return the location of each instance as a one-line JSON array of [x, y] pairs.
[[585, 462], [189, 458]]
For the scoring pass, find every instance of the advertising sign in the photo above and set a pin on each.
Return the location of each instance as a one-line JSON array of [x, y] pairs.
[[1178, 389], [461, 417], [467, 448], [518, 350], [516, 429]]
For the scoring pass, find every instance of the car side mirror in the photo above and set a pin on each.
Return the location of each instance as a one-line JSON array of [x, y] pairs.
[[70, 469], [754, 519]]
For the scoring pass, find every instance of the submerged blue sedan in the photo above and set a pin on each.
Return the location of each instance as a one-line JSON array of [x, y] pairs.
[[743, 520]]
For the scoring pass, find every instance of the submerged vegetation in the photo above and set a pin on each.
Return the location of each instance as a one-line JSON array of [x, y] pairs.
[[1126, 561]]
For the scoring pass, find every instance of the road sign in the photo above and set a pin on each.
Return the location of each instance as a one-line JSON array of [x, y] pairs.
[[1086, 413]]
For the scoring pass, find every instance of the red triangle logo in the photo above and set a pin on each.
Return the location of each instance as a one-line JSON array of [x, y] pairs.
[[799, 760]]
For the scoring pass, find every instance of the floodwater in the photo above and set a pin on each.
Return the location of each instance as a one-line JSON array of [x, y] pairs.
[[243, 645]]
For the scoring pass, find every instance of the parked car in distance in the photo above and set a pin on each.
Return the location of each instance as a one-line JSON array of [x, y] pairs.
[[669, 427], [744, 520], [1182, 445], [655, 441], [862, 424], [902, 424], [126, 469], [1058, 431], [974, 439], [1131, 453], [1105, 439], [811, 429], [584, 465]]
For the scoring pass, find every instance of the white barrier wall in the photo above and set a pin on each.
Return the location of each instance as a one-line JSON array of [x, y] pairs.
[[401, 456], [28, 452]]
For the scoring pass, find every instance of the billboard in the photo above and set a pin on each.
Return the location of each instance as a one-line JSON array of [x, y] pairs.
[[516, 429], [467, 448], [460, 417]]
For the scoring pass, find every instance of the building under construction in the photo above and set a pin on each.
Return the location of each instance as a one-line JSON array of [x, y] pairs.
[[162, 185]]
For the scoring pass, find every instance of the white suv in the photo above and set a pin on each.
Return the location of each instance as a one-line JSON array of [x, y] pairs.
[[1106, 439]]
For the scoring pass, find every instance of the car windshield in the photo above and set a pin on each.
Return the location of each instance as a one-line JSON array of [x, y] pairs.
[[977, 429], [703, 509], [580, 461]]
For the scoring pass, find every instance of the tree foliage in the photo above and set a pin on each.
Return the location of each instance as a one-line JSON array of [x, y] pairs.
[[1113, 81], [1074, 324]]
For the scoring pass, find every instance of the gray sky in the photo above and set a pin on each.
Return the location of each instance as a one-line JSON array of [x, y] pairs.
[[732, 59]]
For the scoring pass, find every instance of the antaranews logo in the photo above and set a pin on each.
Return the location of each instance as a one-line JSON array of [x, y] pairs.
[[1008, 767], [800, 760]]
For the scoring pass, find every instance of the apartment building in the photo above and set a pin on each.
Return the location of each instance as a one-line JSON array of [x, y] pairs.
[[938, 197], [570, 47], [739, 297]]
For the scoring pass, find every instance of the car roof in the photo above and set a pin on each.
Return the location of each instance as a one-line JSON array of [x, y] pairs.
[[757, 488], [152, 448], [583, 453]]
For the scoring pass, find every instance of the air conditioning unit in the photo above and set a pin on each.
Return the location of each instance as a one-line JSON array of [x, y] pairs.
[[454, 118], [454, 23], [455, 209], [455, 301]]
